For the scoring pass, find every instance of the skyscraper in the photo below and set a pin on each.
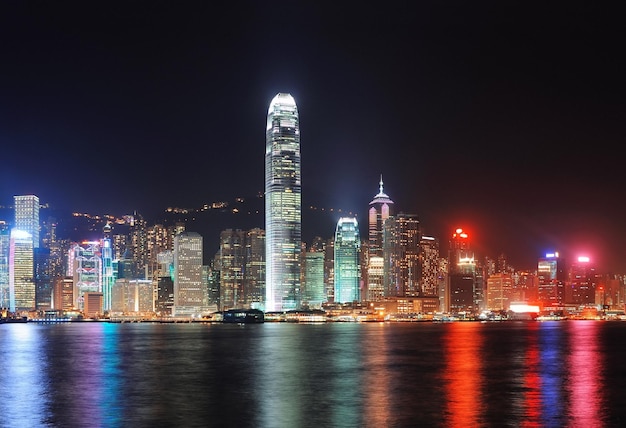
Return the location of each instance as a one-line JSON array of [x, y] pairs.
[[27, 216], [402, 270], [380, 208], [283, 205], [462, 279], [189, 292], [232, 259], [347, 267], [21, 271]]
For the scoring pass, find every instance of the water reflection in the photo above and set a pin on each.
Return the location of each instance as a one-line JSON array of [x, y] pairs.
[[462, 375], [585, 384], [310, 375], [531, 398], [23, 389], [379, 380], [552, 372]]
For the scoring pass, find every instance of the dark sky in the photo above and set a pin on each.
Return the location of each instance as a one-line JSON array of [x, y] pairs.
[[505, 118]]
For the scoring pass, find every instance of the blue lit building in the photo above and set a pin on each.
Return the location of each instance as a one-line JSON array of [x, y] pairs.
[[108, 276], [347, 255], [283, 205]]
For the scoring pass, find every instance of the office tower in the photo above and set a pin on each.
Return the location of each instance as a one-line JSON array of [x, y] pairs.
[[92, 304], [380, 208], [63, 294], [165, 284], [552, 275], [327, 248], [254, 272], [283, 205], [108, 278], [401, 238], [143, 290], [313, 287], [499, 291], [5, 242], [189, 293], [21, 272], [86, 270], [582, 282], [139, 244], [462, 278], [27, 216], [43, 278], [211, 280], [347, 266], [525, 285], [429, 265], [231, 262]]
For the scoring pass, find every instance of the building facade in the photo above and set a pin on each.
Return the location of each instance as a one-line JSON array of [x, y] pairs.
[[190, 297], [347, 266], [380, 209], [283, 205], [27, 216]]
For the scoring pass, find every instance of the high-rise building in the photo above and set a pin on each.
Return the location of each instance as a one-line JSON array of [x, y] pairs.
[[5, 237], [254, 272], [63, 294], [27, 216], [21, 272], [552, 275], [582, 282], [347, 266], [402, 271], [231, 262], [86, 270], [108, 278], [314, 293], [462, 277], [380, 208], [283, 205], [499, 291], [190, 297], [429, 264], [43, 278]]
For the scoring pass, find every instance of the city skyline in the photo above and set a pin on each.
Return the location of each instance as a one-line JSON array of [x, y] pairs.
[[498, 119]]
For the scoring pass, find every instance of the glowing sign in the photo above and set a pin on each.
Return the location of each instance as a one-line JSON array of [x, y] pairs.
[[459, 234], [583, 259], [552, 255], [522, 308]]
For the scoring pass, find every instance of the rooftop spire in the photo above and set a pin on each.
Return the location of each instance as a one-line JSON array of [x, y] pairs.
[[381, 184]]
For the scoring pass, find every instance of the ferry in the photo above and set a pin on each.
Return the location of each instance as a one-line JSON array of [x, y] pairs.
[[243, 316]]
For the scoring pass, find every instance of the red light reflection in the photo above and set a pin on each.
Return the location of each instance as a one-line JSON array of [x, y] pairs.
[[462, 375]]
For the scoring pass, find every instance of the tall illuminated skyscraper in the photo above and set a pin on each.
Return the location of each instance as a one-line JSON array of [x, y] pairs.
[[190, 294], [27, 216], [380, 209], [402, 270], [283, 205], [108, 278], [462, 280], [21, 271], [347, 267], [552, 276]]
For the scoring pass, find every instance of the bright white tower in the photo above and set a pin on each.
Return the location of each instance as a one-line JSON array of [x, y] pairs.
[[283, 205]]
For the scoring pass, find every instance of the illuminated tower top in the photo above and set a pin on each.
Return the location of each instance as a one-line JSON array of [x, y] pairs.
[[27, 216], [379, 211]]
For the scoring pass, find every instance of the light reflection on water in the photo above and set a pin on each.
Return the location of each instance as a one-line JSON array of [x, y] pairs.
[[530, 374]]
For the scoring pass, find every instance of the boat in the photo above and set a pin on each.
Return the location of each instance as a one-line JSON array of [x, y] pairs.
[[243, 316], [13, 320]]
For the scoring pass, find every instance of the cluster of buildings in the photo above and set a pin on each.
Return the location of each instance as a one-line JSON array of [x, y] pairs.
[[143, 270]]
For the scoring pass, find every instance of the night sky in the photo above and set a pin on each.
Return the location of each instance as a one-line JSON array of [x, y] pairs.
[[504, 118]]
